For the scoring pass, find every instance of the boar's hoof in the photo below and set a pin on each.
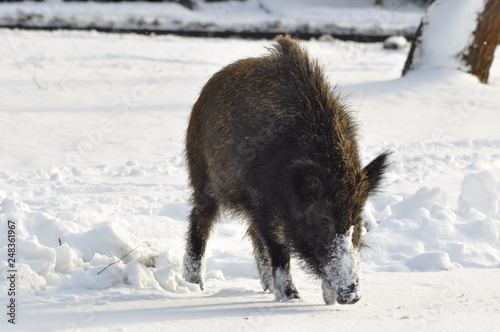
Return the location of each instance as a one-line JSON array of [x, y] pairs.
[[284, 289], [294, 295], [289, 294], [266, 281], [192, 271], [194, 279], [267, 287], [286, 292]]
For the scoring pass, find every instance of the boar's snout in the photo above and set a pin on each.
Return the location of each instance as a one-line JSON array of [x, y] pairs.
[[341, 274], [347, 300], [350, 295]]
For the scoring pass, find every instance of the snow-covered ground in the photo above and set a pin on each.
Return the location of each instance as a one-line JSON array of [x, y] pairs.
[[306, 16], [91, 167]]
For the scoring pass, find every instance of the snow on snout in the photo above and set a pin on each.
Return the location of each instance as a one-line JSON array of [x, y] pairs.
[[343, 270]]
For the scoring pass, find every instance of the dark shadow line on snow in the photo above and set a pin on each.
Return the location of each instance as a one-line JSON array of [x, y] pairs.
[[357, 37], [101, 317]]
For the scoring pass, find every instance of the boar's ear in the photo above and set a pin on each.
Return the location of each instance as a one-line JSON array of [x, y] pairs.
[[375, 171], [307, 178]]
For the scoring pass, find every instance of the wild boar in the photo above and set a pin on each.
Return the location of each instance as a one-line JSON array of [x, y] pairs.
[[269, 138]]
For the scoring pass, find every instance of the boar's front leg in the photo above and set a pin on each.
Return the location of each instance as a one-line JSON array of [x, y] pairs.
[[279, 253], [284, 289]]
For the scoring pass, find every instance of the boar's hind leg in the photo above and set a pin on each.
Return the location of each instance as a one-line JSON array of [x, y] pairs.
[[201, 221], [262, 259]]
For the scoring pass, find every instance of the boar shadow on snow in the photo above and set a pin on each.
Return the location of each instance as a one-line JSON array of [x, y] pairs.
[[268, 138]]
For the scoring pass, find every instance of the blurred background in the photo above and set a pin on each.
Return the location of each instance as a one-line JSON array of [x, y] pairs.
[[363, 20]]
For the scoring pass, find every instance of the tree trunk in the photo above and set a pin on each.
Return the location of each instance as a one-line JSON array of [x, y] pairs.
[[452, 36], [190, 4], [414, 43], [486, 39]]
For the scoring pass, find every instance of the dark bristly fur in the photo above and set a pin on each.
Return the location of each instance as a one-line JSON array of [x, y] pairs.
[[268, 138]]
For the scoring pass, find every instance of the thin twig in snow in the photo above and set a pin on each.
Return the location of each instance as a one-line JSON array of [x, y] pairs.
[[63, 77], [119, 259], [102, 77], [34, 78]]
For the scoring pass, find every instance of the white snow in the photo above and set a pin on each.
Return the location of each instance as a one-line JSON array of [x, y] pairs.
[[395, 42], [430, 261], [481, 192], [91, 138]]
